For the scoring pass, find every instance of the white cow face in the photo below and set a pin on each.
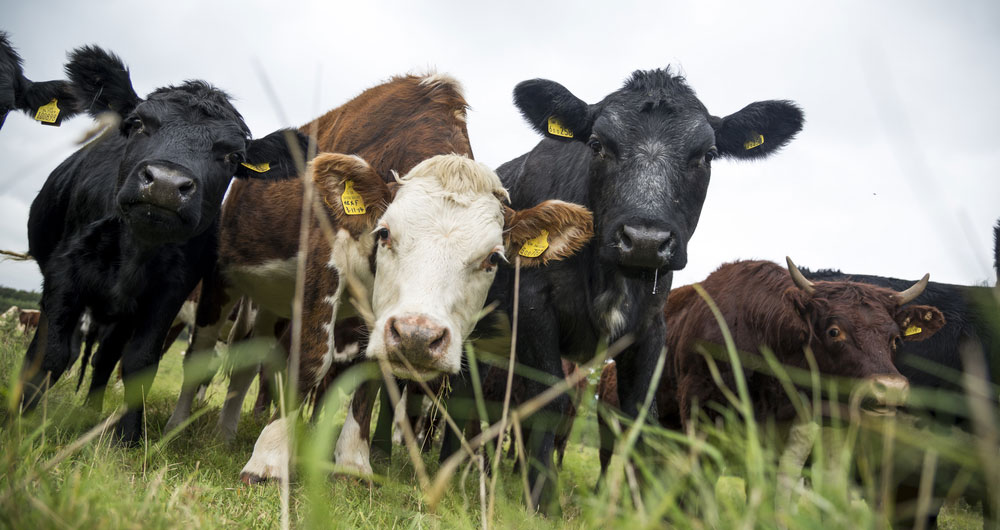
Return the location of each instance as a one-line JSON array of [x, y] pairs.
[[440, 242]]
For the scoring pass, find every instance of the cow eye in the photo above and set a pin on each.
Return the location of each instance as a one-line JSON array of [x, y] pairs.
[[834, 332], [595, 145], [382, 235], [133, 125], [711, 154], [234, 158], [494, 259]]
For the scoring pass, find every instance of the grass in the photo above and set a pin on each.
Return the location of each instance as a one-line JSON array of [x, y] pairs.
[[726, 475]]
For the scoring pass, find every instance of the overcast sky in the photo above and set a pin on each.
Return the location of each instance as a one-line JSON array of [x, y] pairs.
[[895, 172]]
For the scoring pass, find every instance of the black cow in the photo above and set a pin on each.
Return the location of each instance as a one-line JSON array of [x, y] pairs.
[[640, 159], [128, 225], [20, 93]]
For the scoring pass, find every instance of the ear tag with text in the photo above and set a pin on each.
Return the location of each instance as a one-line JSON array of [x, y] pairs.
[[754, 142], [558, 129], [48, 113], [352, 201], [912, 330], [534, 247], [263, 167]]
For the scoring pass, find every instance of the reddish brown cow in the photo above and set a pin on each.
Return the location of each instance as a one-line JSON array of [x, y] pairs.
[[28, 319], [853, 330]]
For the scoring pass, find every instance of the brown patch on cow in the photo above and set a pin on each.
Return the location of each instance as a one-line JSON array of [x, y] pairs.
[[570, 227]]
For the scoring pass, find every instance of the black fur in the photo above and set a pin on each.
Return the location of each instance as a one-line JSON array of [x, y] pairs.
[[17, 92], [996, 250], [641, 162], [127, 226], [101, 81]]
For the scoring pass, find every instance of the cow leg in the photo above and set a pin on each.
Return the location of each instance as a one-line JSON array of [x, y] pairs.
[[243, 374], [352, 450], [48, 354], [635, 367], [382, 441], [109, 351], [199, 367], [142, 356]]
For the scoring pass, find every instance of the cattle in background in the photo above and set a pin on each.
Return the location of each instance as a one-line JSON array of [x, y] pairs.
[[996, 250], [853, 329], [128, 225], [641, 160], [17, 92], [28, 320]]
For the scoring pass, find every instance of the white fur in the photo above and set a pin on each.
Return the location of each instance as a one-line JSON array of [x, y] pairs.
[[609, 306], [352, 451], [270, 453]]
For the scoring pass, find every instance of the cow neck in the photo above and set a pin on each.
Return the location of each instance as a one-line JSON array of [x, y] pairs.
[[625, 302]]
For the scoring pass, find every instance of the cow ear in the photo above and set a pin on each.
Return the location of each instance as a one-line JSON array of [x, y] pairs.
[[919, 322], [354, 194], [274, 156], [799, 300], [553, 110], [757, 130], [100, 81], [552, 230], [49, 102]]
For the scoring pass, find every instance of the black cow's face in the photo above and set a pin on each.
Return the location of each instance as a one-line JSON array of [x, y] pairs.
[[649, 172], [183, 145], [652, 144]]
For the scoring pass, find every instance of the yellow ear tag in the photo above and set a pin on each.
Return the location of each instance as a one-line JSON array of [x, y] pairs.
[[912, 330], [534, 247], [263, 167], [48, 113], [754, 142], [558, 129], [352, 201]]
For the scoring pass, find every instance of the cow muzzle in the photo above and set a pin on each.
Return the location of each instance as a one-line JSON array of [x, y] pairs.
[[167, 188], [884, 393], [418, 339], [646, 247]]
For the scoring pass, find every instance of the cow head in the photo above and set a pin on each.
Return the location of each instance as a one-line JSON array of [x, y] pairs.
[[17, 92], [439, 235], [181, 145], [855, 330], [651, 146]]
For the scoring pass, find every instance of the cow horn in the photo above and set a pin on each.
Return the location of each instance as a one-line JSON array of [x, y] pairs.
[[913, 292], [798, 279]]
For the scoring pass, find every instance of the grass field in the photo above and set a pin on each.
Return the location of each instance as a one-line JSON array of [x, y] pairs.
[[725, 477]]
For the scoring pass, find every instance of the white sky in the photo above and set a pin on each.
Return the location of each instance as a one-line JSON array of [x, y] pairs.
[[895, 172]]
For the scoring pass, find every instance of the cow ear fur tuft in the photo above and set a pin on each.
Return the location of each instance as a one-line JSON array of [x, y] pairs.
[[568, 227]]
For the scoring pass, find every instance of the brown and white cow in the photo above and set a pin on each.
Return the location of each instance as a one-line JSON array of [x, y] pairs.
[[392, 127], [448, 210]]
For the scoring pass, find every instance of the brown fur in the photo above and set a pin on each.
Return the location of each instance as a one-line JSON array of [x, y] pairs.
[[564, 240], [762, 306]]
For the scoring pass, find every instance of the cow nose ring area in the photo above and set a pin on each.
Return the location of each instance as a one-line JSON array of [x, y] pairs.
[[165, 187], [416, 337], [646, 247]]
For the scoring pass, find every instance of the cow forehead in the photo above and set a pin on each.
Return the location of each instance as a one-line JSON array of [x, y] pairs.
[[444, 218]]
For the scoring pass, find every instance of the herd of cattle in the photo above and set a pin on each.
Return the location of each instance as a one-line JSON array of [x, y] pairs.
[[381, 199]]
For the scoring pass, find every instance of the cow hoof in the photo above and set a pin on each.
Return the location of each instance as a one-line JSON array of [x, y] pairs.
[[252, 479], [270, 454]]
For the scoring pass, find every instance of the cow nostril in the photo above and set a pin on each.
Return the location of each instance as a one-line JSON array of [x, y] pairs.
[[186, 188], [393, 331], [146, 176], [666, 245], [626, 241], [439, 341]]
